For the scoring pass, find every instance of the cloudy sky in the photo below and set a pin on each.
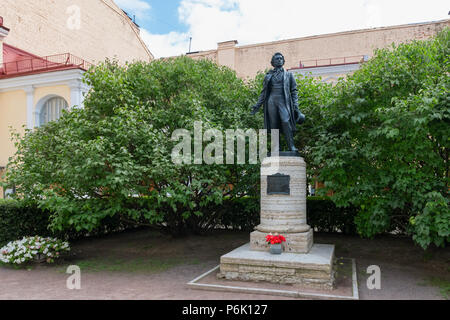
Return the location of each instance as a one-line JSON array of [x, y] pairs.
[[167, 25]]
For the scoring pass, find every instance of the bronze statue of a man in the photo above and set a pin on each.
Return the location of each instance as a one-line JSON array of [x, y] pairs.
[[280, 99]]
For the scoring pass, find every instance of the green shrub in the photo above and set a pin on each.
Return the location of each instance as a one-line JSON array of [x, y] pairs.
[[114, 156], [31, 248], [19, 219], [324, 216], [241, 213], [382, 143]]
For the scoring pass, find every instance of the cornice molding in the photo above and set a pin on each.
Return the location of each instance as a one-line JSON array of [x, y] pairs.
[[42, 79], [328, 70], [3, 33]]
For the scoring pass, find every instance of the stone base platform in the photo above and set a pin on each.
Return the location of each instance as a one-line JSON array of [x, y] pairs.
[[314, 269], [295, 242]]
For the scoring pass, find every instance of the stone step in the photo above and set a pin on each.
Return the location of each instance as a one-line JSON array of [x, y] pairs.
[[313, 269]]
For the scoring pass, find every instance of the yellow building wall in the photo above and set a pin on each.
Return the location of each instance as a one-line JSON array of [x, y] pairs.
[[47, 27], [62, 91], [13, 113], [43, 92]]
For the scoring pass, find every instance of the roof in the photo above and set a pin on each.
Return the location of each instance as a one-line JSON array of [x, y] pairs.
[[1, 24], [11, 54], [18, 62]]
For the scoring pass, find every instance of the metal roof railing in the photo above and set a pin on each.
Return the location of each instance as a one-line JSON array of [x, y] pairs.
[[42, 64], [332, 61]]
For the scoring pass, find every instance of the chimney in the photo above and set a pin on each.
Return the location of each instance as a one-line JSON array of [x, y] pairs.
[[3, 33], [226, 53]]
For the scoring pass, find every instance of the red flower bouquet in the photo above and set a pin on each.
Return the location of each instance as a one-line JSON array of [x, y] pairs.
[[275, 239]]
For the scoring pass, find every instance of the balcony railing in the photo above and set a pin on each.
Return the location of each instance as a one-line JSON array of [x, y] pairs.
[[332, 62], [42, 64]]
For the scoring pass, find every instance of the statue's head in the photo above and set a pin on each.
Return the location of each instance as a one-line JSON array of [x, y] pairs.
[[277, 60]]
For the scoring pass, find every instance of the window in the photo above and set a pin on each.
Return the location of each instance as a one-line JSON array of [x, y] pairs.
[[52, 110], [7, 193]]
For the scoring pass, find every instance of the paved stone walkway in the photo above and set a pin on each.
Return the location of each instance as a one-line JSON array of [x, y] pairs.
[[144, 265]]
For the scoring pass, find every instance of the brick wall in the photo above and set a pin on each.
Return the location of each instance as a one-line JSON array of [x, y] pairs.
[[249, 59], [45, 27]]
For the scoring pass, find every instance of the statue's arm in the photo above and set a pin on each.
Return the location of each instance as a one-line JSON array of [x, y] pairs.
[[262, 96], [294, 91]]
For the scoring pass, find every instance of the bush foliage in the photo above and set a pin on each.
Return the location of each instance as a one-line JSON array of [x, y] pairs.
[[379, 140], [324, 216], [113, 158], [382, 143], [31, 248], [18, 220]]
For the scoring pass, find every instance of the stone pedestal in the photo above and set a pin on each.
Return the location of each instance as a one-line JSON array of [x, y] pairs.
[[314, 269], [283, 211], [295, 242]]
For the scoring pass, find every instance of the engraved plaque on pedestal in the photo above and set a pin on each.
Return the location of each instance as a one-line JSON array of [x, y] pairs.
[[278, 184]]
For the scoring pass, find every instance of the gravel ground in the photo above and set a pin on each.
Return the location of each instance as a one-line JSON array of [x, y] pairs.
[[145, 265]]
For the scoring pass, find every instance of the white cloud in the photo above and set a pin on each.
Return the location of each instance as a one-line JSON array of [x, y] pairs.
[[252, 21], [373, 14], [139, 8], [166, 45]]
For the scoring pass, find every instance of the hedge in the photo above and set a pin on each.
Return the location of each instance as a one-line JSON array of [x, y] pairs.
[[240, 213], [19, 219], [322, 215]]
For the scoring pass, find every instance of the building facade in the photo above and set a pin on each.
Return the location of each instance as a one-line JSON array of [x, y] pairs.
[[45, 48], [89, 29], [330, 56]]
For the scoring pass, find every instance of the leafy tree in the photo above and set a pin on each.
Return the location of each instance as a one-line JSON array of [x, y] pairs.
[[313, 96], [114, 156], [382, 143]]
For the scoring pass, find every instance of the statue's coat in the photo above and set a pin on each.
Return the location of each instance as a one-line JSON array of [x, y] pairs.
[[291, 98]]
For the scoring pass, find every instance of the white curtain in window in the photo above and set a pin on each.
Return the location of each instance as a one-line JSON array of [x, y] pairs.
[[52, 110]]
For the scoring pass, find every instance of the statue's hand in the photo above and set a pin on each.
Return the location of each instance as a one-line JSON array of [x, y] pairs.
[[299, 117], [255, 109]]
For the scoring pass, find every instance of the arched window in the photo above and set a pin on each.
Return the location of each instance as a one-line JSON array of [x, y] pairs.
[[52, 110]]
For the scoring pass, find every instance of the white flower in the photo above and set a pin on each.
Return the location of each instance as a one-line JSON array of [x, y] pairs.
[[23, 250]]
